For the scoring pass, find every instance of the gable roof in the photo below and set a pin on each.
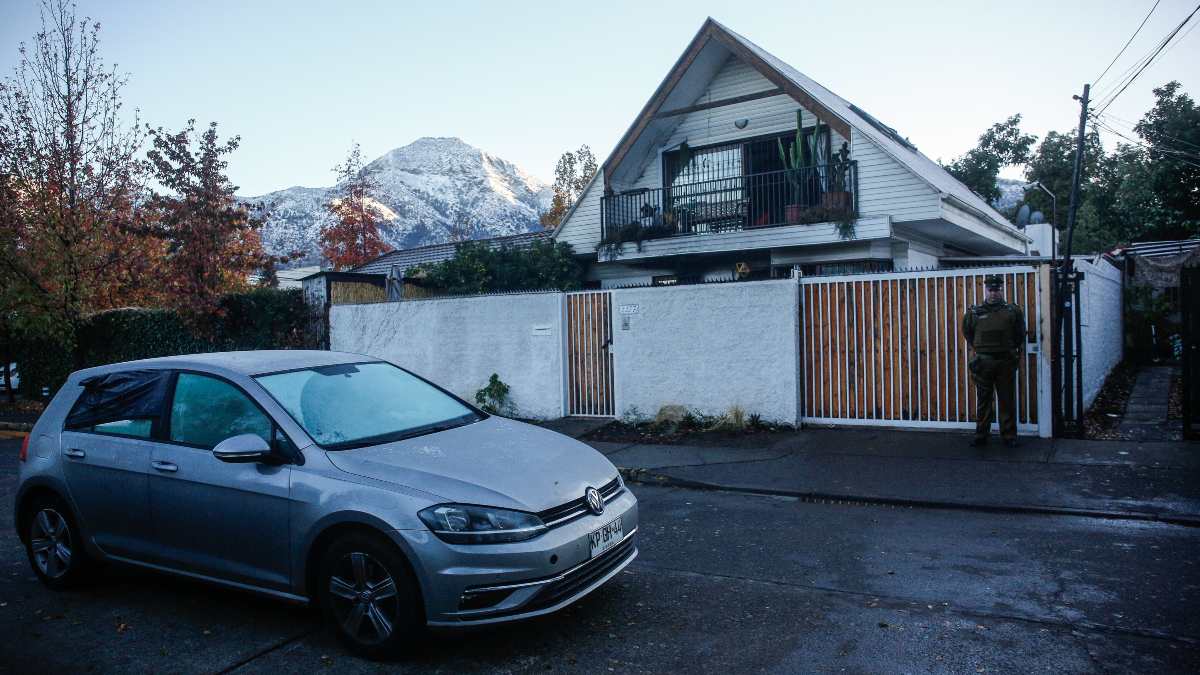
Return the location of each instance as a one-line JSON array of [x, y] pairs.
[[408, 258], [828, 107]]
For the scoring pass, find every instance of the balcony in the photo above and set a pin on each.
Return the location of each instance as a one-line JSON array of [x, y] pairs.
[[824, 193]]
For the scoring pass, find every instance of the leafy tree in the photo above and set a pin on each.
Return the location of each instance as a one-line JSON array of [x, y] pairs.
[[212, 242], [478, 268], [73, 180], [571, 176], [1001, 145], [353, 238], [1053, 163], [1171, 129], [1142, 191]]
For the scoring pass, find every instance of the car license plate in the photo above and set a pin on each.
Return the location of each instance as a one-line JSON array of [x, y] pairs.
[[606, 537]]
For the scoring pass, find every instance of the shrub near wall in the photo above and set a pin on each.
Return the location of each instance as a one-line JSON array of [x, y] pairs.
[[259, 319]]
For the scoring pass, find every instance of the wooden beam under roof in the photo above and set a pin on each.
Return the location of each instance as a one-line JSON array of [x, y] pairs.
[[744, 98]]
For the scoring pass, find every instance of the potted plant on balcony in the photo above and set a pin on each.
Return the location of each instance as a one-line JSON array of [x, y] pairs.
[[838, 197], [793, 161]]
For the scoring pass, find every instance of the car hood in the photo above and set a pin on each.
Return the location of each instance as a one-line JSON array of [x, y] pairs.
[[493, 462]]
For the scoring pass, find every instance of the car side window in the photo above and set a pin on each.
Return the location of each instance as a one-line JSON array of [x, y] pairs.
[[207, 410], [138, 428], [121, 403]]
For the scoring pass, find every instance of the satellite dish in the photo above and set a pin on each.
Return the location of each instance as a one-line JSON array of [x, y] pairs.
[[1023, 216], [1037, 217]]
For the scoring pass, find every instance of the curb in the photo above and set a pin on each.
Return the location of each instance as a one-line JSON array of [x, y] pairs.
[[646, 477], [16, 426]]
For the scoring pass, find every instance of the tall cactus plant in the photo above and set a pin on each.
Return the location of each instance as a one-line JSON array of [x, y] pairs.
[[793, 160]]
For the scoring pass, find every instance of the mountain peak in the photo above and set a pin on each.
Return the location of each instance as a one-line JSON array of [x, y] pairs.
[[427, 189], [430, 153]]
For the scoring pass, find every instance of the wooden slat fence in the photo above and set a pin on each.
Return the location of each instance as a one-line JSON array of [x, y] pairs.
[[887, 349], [589, 355]]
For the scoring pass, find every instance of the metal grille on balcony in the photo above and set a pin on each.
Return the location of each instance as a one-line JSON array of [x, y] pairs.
[[814, 194]]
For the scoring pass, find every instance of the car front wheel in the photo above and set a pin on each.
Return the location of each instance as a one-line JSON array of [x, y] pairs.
[[369, 595]]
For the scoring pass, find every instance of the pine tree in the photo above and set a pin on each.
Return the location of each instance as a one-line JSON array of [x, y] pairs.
[[353, 238]]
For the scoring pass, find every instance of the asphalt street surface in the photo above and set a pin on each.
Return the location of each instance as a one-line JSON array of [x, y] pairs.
[[724, 583]]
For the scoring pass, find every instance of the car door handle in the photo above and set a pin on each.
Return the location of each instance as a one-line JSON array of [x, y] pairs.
[[164, 466], [72, 452]]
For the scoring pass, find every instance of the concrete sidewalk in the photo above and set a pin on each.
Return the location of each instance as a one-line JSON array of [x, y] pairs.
[[1154, 481]]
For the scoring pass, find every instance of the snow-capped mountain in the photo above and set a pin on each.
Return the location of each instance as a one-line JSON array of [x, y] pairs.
[[426, 189], [1012, 193]]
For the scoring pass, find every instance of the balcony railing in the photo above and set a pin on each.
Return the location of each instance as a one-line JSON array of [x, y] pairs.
[[814, 194]]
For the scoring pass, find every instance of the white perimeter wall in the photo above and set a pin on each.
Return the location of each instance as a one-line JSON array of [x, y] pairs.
[[1102, 324], [458, 343], [708, 347]]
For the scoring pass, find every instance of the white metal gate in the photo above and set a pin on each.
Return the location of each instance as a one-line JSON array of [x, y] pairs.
[[588, 319], [887, 349]]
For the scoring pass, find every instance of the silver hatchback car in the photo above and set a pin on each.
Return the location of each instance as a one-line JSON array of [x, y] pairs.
[[320, 477]]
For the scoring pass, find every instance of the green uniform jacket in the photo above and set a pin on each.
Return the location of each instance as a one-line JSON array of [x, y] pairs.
[[1005, 328]]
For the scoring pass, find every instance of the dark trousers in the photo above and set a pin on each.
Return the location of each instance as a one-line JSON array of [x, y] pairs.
[[994, 376]]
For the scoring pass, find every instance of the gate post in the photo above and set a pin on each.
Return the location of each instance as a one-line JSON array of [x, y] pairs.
[[798, 308], [1045, 378]]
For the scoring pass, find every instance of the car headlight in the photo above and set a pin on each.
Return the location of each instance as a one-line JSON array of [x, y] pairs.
[[466, 524]]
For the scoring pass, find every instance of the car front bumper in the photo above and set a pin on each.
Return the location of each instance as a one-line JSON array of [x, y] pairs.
[[466, 585]]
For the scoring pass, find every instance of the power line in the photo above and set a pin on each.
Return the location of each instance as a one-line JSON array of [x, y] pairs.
[[1132, 126], [1146, 62], [1127, 43], [1167, 154]]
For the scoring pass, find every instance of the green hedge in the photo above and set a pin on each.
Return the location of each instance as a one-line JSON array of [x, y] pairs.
[[259, 319]]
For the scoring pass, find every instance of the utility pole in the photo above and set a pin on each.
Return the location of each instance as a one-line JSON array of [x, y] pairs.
[[1076, 175], [1065, 305]]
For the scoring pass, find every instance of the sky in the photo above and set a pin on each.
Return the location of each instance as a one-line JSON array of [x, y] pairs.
[[300, 81]]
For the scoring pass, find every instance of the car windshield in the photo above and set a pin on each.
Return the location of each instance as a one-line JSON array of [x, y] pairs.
[[354, 405]]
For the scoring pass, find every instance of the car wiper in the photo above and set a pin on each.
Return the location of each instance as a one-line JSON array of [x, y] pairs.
[[406, 434]]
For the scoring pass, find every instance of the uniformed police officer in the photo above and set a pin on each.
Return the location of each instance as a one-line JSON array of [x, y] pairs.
[[995, 332]]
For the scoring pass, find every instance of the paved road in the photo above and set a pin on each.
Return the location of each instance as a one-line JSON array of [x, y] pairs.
[[724, 583]]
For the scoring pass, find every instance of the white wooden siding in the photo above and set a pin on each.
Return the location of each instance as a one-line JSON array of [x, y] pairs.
[[885, 186], [706, 127], [888, 188], [582, 229]]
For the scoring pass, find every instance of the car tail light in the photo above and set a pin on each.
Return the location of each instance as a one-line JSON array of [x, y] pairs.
[[24, 448]]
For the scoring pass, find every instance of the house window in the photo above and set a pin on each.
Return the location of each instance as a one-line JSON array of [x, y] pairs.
[[742, 184], [704, 164]]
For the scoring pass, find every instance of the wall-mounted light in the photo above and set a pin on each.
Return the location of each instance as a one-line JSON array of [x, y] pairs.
[[741, 124]]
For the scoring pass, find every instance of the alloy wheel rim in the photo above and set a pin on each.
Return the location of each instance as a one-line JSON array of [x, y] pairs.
[[364, 598], [50, 540]]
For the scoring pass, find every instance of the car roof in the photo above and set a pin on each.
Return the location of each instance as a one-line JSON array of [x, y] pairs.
[[237, 363]]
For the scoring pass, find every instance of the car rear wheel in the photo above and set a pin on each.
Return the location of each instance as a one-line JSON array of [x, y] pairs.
[[54, 544], [369, 596]]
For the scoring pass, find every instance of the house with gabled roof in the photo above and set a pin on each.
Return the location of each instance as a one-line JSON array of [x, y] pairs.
[[741, 166]]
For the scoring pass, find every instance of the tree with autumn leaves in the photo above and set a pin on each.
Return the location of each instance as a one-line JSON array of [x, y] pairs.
[[80, 229], [353, 237], [571, 177], [73, 183], [212, 243]]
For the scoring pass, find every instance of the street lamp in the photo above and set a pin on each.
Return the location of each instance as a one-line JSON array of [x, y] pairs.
[[1053, 216]]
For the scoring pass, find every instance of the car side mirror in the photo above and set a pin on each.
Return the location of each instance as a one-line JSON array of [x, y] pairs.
[[243, 448]]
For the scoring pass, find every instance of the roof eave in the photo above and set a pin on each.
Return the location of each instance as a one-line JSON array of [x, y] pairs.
[[988, 220]]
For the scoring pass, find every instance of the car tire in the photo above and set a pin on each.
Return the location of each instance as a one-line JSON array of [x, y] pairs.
[[54, 544], [367, 592]]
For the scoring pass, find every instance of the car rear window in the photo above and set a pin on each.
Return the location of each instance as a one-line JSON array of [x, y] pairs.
[[125, 403]]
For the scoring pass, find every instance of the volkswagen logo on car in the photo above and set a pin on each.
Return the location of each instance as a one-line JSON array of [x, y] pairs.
[[594, 502]]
